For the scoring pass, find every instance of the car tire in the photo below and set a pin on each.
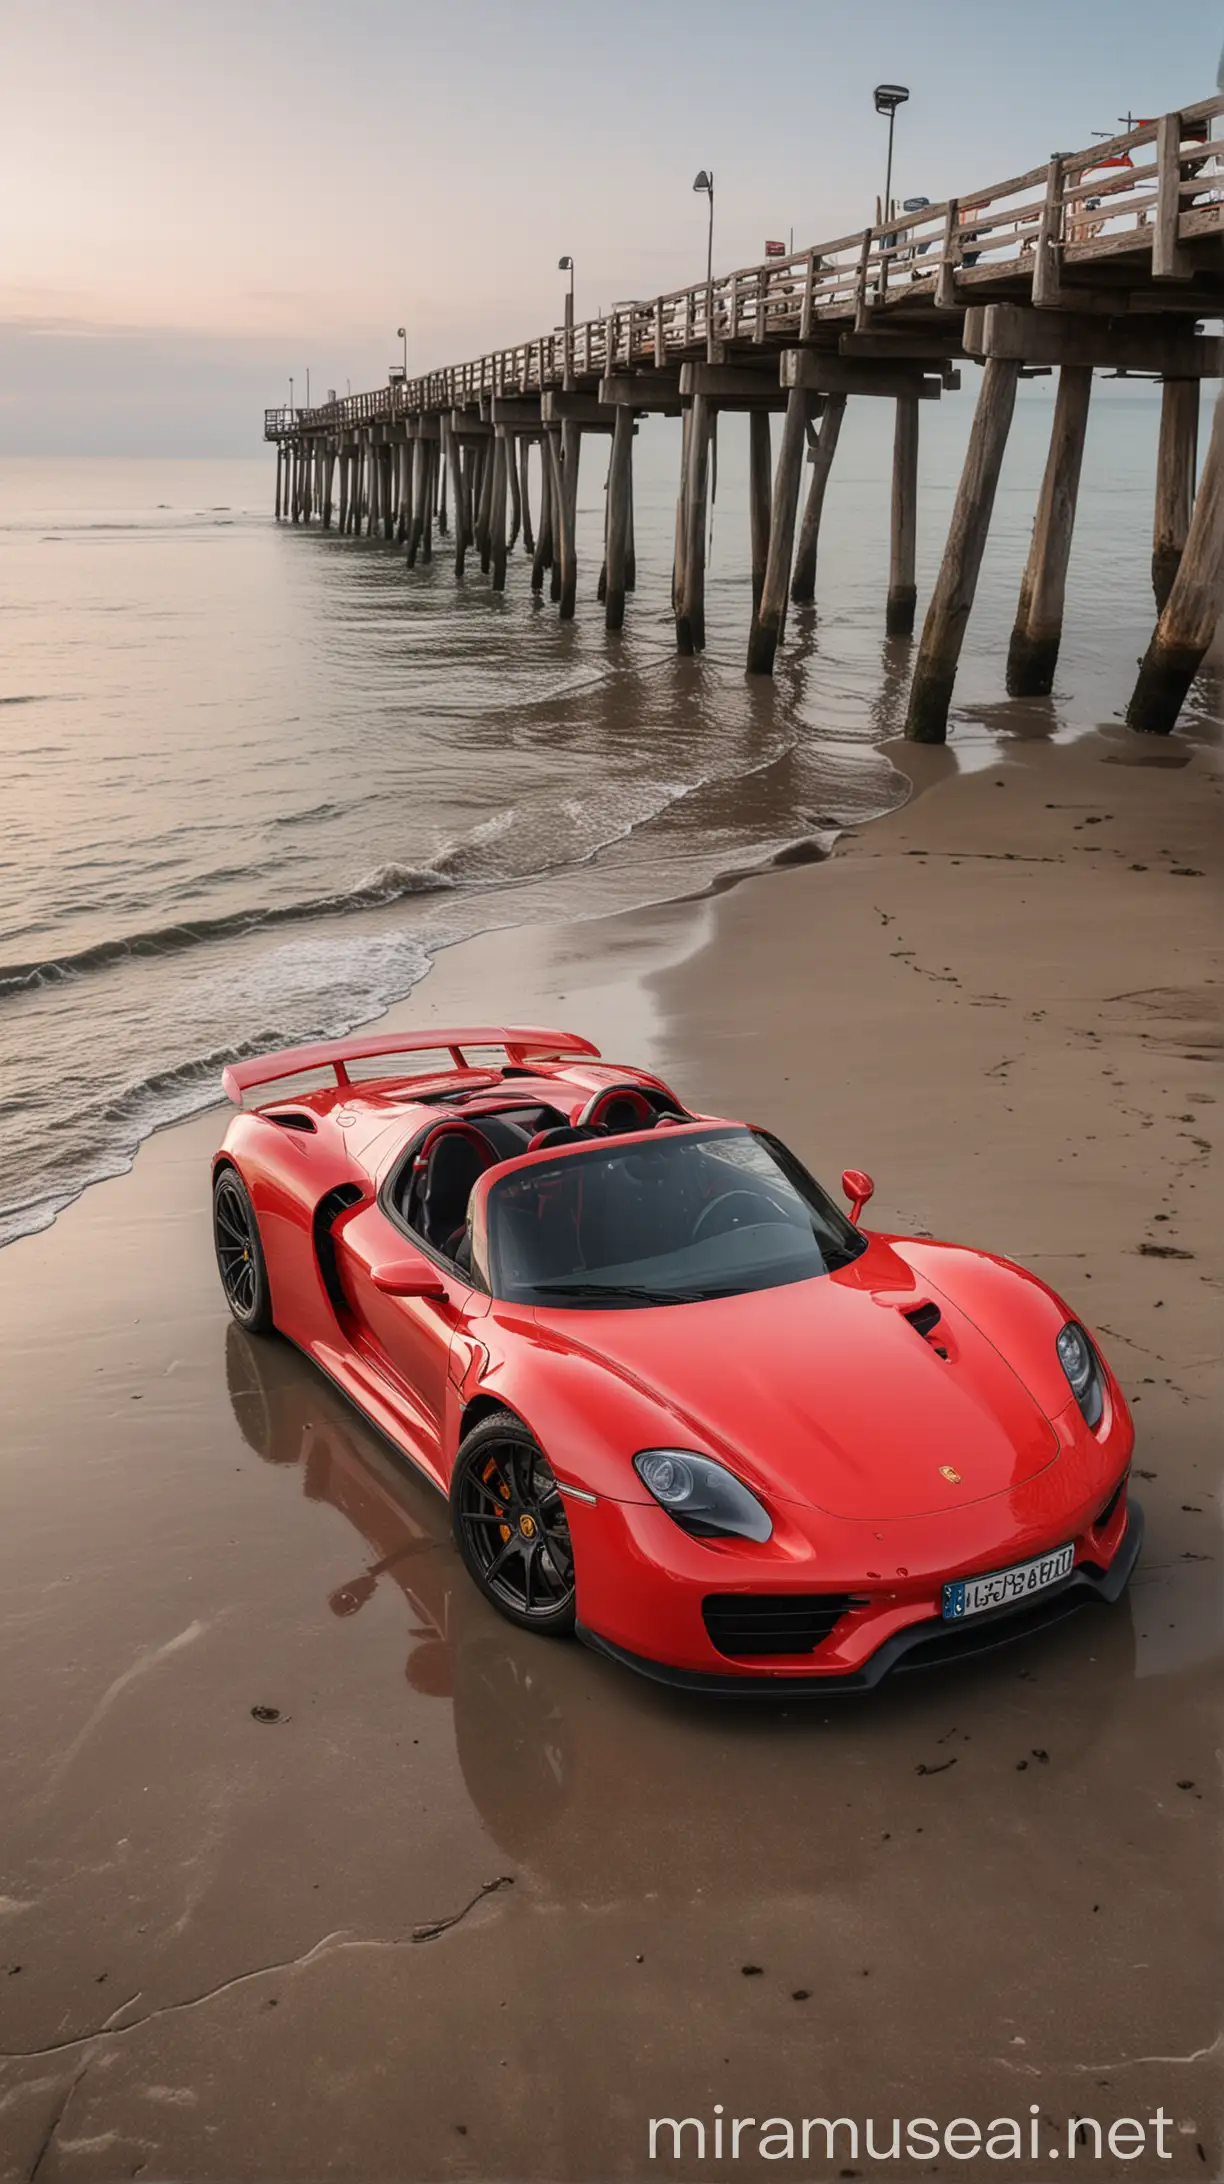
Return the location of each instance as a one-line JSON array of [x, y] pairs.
[[240, 1260], [511, 1528]]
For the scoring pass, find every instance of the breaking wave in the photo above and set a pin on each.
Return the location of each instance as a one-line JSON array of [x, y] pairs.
[[388, 883]]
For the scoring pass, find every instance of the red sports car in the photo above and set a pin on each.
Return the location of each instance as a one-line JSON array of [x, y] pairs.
[[679, 1402]]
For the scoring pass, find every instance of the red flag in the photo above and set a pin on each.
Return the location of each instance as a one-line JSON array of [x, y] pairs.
[[775, 250]]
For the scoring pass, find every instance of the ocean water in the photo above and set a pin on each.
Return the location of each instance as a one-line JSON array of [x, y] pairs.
[[255, 777]]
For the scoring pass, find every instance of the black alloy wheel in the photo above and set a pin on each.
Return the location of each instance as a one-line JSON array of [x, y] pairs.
[[510, 1525], [240, 1259]]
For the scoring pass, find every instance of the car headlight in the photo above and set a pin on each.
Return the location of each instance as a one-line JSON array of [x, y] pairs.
[[1079, 1362], [703, 1498]]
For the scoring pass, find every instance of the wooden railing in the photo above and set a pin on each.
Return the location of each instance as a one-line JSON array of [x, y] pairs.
[[1155, 187]]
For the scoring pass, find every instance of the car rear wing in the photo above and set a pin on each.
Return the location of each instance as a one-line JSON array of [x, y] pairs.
[[520, 1043]]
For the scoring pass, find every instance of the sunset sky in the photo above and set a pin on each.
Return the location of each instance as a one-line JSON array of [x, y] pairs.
[[197, 200]]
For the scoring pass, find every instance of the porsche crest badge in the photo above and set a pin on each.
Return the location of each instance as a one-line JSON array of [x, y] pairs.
[[946, 1472]]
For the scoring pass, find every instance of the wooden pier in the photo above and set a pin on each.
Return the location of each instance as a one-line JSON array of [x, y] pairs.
[[1102, 259]]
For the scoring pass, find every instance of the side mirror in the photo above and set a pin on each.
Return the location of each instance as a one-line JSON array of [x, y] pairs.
[[408, 1278], [858, 1188]]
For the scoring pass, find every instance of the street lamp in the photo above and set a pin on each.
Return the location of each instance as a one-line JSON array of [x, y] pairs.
[[291, 394], [402, 331], [566, 265], [888, 97], [704, 185]]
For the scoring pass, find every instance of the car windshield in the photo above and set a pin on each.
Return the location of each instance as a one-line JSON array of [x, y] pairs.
[[675, 1219]]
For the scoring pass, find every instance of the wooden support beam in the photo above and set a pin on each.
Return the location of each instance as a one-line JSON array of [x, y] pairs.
[[576, 409], [760, 497], [416, 527], [770, 617], [823, 373], [949, 259], [542, 557], [1187, 625], [902, 584], [862, 313], [803, 583], [552, 446], [1169, 346], [452, 455], [1170, 262], [484, 519], [466, 425], [1033, 654], [620, 484], [373, 483], [389, 456], [440, 469], [513, 442], [524, 460], [904, 345], [690, 614], [731, 387], [571, 448], [429, 454], [686, 433], [520, 415], [502, 454], [1176, 463], [1047, 261], [952, 599], [342, 514], [280, 471], [656, 391], [631, 543]]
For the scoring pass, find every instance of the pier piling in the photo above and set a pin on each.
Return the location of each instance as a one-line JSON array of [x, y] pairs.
[[952, 600], [1187, 625], [497, 511], [820, 454], [1176, 461], [760, 497], [1033, 654], [770, 616], [690, 612], [620, 489], [902, 585], [525, 493]]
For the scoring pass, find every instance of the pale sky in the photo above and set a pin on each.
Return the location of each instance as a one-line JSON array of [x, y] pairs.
[[200, 197]]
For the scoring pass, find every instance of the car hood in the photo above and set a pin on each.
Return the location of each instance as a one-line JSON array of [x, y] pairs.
[[823, 1392]]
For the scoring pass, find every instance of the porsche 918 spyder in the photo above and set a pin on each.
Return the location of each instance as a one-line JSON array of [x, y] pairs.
[[680, 1403]]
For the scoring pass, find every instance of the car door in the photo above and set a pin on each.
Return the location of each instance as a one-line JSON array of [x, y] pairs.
[[406, 1340]]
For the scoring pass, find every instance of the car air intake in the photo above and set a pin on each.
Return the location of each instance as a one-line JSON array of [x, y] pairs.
[[1107, 1509], [753, 1623], [289, 1118], [925, 1318]]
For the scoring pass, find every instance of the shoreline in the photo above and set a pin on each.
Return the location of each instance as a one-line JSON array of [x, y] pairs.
[[983, 1002]]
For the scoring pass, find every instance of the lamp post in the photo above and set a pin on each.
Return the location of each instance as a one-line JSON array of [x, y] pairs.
[[566, 265], [402, 331], [704, 185], [291, 394], [888, 97]]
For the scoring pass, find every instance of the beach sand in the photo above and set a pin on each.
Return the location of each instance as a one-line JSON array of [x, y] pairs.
[[477, 1905]]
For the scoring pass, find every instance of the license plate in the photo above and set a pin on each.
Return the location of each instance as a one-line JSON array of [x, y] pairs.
[[1001, 1588]]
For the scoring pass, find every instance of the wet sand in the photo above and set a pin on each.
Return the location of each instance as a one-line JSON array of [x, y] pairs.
[[479, 1906]]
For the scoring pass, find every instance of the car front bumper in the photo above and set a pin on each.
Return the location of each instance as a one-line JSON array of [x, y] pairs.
[[646, 1588], [924, 1643]]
